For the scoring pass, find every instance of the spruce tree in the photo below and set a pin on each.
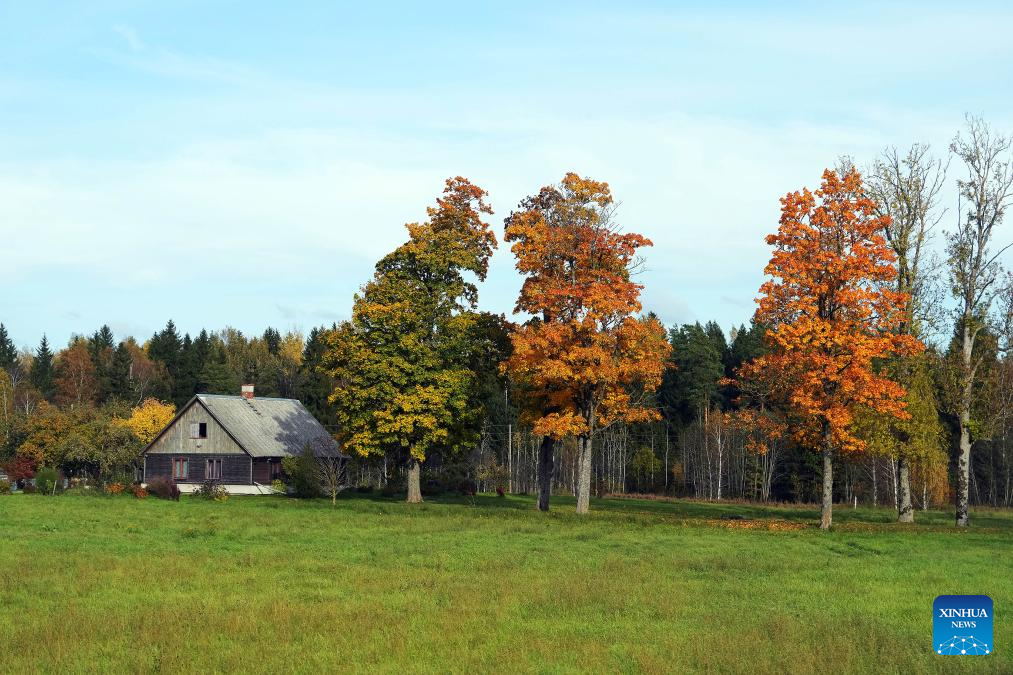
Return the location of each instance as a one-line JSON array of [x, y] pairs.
[[42, 370], [273, 340], [120, 384], [8, 352]]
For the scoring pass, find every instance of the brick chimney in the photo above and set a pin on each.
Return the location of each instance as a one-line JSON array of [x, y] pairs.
[[247, 391]]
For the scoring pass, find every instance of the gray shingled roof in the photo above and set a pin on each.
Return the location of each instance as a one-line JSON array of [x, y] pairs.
[[270, 427]]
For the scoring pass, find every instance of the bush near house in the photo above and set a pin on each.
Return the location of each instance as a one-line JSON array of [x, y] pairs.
[[47, 480], [212, 490], [164, 487]]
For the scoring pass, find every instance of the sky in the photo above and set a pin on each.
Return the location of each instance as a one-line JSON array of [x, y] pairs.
[[245, 164]]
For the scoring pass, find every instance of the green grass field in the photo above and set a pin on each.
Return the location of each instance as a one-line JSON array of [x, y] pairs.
[[266, 584]]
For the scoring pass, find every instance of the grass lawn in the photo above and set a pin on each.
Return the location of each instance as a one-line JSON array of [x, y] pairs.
[[269, 584]]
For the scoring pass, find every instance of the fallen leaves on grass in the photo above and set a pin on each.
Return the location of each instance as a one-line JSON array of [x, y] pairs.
[[745, 524]]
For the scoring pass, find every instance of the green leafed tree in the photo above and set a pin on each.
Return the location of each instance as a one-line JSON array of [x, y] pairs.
[[401, 364]]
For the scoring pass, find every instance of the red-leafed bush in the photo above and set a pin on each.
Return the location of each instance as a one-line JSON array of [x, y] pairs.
[[138, 491], [20, 468], [114, 488], [164, 488]]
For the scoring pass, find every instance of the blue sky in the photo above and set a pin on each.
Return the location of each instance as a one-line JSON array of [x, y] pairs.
[[245, 164]]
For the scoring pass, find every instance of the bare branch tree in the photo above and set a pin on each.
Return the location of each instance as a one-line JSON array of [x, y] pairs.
[[976, 273], [330, 471], [906, 188]]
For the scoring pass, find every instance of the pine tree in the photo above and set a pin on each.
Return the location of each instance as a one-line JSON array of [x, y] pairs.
[[42, 370], [167, 347], [317, 386], [120, 385], [8, 352], [217, 377], [100, 349], [691, 386], [185, 380], [273, 340]]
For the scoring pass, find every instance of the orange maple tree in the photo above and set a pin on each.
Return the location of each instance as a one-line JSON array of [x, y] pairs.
[[586, 356], [830, 313]]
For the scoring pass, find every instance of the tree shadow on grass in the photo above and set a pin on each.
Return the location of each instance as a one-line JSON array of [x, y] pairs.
[[697, 510]]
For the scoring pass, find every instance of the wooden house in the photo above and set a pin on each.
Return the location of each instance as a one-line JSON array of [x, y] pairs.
[[238, 440]]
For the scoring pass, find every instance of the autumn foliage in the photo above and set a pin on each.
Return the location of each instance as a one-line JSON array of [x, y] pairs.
[[149, 418], [401, 365], [587, 355], [831, 313]]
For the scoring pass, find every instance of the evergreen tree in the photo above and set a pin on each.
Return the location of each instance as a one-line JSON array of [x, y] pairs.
[[42, 370], [8, 352], [217, 377], [120, 385], [201, 350], [167, 347], [273, 340], [185, 380], [316, 386], [100, 349], [693, 384]]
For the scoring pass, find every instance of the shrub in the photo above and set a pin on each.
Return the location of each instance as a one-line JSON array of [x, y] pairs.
[[364, 489], [467, 487], [114, 488], [46, 480], [302, 470], [278, 486], [138, 491], [211, 489], [20, 468], [164, 487], [5, 487]]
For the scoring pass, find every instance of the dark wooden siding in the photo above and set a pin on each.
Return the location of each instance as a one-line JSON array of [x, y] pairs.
[[235, 468], [262, 469], [176, 439]]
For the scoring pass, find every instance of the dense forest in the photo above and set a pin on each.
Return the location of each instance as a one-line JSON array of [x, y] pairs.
[[714, 419]]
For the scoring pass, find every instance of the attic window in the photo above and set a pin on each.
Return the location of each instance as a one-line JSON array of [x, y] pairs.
[[198, 429]]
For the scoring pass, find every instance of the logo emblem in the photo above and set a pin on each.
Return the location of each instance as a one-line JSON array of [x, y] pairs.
[[962, 625]]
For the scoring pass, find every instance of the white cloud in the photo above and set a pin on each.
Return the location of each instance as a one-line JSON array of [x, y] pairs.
[[130, 36]]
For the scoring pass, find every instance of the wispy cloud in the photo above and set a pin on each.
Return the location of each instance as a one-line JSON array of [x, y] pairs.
[[130, 36]]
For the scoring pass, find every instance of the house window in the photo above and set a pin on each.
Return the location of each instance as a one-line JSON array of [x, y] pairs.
[[214, 468], [198, 429], [180, 468], [275, 470]]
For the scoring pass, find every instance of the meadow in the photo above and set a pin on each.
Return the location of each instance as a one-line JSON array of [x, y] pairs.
[[270, 584]]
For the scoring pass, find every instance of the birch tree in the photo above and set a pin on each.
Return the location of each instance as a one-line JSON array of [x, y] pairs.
[[905, 190], [976, 273]]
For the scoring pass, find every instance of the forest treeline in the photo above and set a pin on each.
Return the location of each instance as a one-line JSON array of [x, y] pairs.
[[879, 349]]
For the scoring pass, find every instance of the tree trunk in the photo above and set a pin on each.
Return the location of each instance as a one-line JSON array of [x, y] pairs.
[[414, 484], [584, 474], [964, 458], [826, 517], [905, 513], [545, 467]]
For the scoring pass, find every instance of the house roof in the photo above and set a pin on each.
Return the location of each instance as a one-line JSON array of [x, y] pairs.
[[267, 427]]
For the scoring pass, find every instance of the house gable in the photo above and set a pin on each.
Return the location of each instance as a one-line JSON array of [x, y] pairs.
[[182, 435]]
